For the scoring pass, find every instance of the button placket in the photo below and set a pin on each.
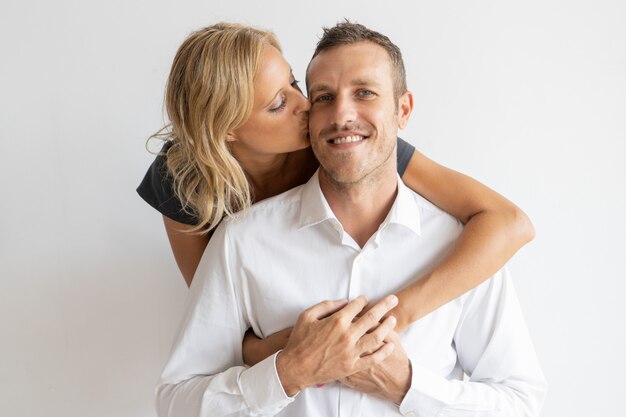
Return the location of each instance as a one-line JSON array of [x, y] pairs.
[[355, 289]]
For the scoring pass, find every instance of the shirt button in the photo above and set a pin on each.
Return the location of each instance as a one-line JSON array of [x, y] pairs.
[[410, 414]]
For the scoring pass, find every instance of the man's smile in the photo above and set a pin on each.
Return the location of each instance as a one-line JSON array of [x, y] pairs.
[[347, 139]]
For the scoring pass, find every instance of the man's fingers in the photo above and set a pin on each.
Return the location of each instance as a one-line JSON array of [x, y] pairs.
[[393, 337], [371, 342], [353, 308], [374, 314], [324, 309], [376, 357]]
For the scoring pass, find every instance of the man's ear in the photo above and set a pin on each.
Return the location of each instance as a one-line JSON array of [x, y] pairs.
[[405, 107]]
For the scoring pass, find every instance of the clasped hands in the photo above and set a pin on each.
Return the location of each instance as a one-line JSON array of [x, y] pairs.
[[332, 341]]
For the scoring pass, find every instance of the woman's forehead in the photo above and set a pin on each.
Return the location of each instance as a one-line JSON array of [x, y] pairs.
[[271, 75]]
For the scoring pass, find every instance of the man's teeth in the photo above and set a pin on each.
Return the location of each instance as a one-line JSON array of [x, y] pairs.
[[347, 139]]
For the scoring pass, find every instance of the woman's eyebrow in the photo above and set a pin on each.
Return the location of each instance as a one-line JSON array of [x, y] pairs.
[[269, 103]]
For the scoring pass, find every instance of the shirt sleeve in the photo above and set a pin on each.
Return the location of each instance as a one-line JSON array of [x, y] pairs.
[[405, 152], [205, 375], [495, 351], [157, 189]]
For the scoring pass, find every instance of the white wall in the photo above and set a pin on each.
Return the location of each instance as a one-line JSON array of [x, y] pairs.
[[529, 97]]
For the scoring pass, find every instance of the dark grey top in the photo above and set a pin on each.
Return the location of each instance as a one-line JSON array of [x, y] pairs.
[[157, 187]]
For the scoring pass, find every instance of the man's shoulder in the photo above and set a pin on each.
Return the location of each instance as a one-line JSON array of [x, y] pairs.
[[429, 211], [269, 213]]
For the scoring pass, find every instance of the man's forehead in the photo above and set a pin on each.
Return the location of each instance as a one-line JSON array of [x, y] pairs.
[[360, 63]]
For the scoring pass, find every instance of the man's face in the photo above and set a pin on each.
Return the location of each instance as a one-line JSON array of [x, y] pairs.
[[354, 117]]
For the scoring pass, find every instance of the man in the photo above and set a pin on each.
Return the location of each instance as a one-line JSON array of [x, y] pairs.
[[353, 230]]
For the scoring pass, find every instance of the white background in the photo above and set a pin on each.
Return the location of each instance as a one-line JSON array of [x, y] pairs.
[[528, 97]]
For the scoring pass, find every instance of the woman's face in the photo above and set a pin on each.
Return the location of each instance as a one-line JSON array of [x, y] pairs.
[[279, 121]]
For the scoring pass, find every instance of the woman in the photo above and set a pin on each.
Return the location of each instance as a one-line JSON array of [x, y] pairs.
[[238, 134]]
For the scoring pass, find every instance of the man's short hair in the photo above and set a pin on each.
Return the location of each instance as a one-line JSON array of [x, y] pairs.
[[346, 33]]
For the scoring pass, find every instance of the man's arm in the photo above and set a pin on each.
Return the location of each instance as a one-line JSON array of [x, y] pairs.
[[493, 347], [204, 375], [389, 380], [495, 350]]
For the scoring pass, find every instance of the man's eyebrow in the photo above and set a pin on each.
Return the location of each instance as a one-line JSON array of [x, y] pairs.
[[356, 82], [318, 87], [365, 81]]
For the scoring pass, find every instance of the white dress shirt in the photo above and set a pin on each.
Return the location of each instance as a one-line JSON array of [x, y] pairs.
[[290, 252]]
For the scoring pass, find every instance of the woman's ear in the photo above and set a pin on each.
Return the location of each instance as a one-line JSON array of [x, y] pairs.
[[230, 137]]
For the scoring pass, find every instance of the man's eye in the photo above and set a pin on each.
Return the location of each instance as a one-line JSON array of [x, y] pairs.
[[322, 97], [365, 93]]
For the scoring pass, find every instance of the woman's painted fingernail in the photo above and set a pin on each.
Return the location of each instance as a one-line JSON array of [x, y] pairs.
[[319, 385]]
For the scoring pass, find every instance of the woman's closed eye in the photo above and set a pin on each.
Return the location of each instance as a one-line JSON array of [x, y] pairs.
[[280, 105]]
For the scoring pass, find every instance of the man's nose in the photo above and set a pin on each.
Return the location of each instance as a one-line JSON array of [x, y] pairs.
[[343, 111]]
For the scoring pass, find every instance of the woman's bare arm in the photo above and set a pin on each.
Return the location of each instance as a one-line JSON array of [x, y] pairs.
[[188, 248], [494, 230]]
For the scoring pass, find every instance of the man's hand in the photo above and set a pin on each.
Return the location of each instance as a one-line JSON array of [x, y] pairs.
[[328, 344], [389, 380], [405, 311]]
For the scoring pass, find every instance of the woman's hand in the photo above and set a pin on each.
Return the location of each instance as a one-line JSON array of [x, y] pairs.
[[256, 349]]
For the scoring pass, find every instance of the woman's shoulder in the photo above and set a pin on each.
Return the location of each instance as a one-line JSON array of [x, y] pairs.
[[157, 189]]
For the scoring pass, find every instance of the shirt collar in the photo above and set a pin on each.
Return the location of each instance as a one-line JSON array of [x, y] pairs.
[[314, 208], [405, 210]]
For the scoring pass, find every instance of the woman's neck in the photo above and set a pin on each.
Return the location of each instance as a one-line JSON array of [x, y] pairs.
[[267, 175], [270, 175]]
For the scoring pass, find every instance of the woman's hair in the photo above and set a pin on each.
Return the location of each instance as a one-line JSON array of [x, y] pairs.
[[210, 93]]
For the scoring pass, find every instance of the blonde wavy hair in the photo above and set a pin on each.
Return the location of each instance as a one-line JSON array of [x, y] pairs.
[[210, 93]]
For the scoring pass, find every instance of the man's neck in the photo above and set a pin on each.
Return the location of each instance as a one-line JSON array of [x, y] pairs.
[[362, 207]]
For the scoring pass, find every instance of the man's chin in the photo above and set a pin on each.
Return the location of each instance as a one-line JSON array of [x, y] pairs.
[[344, 177]]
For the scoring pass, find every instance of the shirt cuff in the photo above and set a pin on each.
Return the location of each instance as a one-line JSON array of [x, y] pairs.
[[428, 395], [261, 387]]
